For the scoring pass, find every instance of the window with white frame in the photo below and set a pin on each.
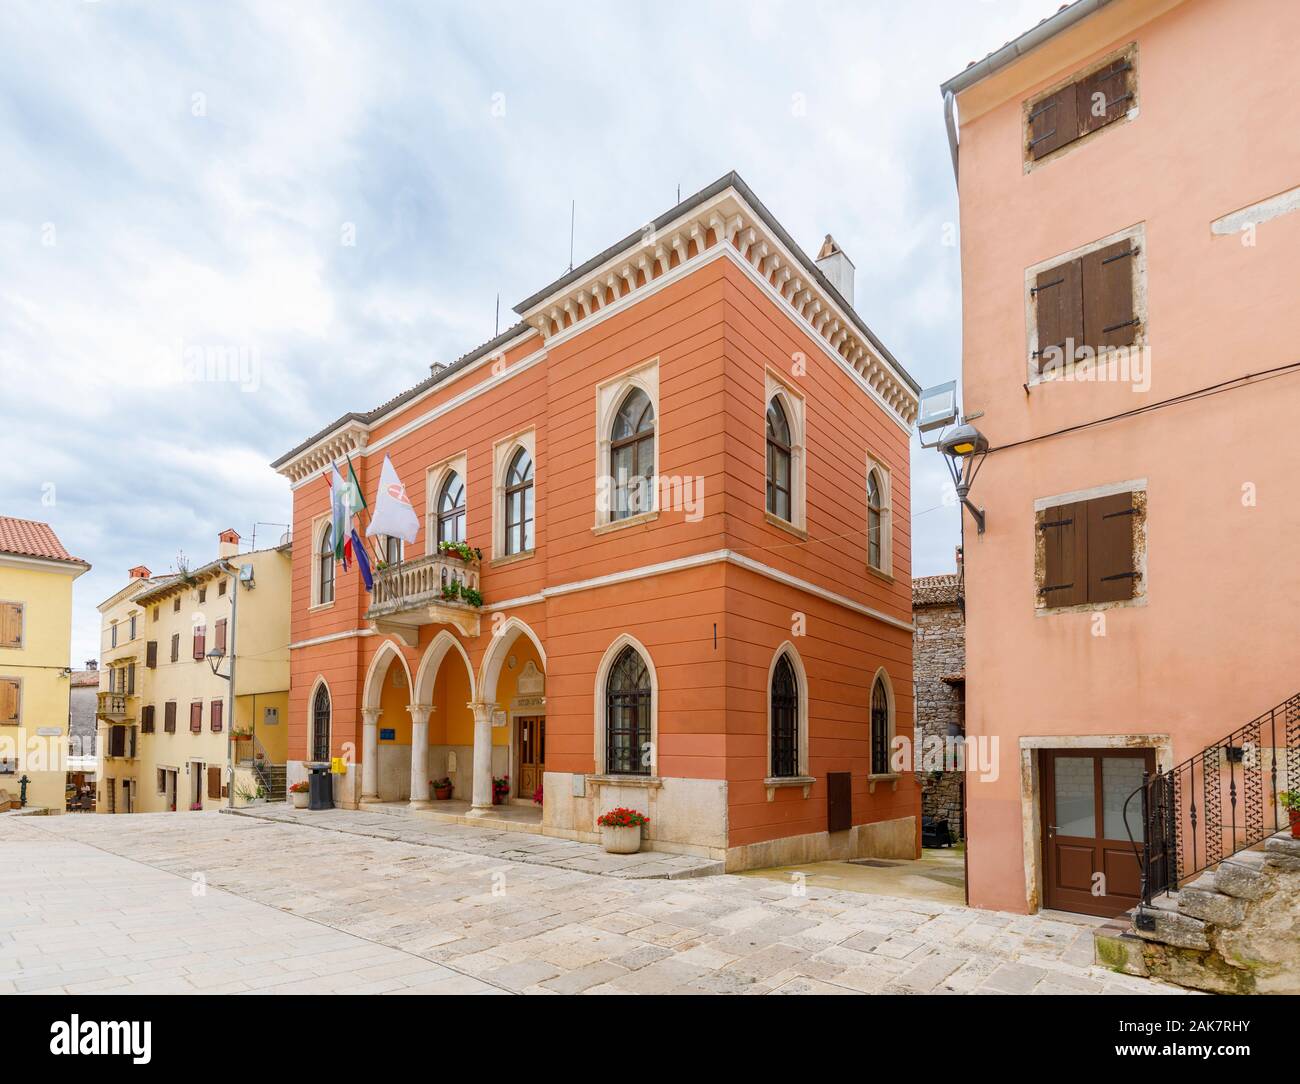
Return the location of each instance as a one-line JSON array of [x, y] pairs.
[[627, 447], [322, 580], [447, 502], [879, 529], [514, 495], [783, 425]]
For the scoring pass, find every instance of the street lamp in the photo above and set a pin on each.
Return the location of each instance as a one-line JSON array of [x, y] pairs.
[[214, 658], [961, 444]]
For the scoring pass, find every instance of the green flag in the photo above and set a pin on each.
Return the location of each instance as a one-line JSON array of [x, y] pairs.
[[354, 486]]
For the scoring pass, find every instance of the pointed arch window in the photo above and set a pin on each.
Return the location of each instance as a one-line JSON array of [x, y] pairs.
[[519, 503], [632, 457], [879, 728], [875, 520], [627, 715], [778, 461], [320, 724], [785, 719], [325, 565], [451, 509]]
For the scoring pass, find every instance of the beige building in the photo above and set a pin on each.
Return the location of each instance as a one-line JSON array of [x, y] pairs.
[[170, 725]]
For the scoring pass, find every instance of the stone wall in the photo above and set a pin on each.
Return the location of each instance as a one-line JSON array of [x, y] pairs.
[[939, 652]]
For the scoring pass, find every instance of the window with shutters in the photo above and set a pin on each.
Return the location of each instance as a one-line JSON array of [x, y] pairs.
[[151, 654], [216, 715], [1086, 312], [203, 594], [1091, 549], [176, 646], [221, 587], [132, 631], [220, 644], [147, 719], [1100, 95], [130, 679], [11, 624], [214, 781], [169, 717], [200, 641], [11, 701], [176, 604], [112, 635], [196, 717]]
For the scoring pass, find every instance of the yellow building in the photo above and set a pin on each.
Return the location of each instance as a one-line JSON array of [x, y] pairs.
[[36, 575], [165, 714]]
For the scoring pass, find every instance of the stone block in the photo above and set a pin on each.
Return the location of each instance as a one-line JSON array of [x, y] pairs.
[[1242, 878], [1175, 928], [1212, 907], [1117, 949]]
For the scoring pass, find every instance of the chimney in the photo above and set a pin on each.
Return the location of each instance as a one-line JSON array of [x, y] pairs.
[[92, 664], [437, 369], [228, 543], [837, 267], [138, 573]]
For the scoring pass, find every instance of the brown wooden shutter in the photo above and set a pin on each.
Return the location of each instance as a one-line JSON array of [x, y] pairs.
[[9, 701], [176, 646], [146, 719], [196, 717], [1053, 122], [130, 679], [215, 716], [1064, 528], [1103, 97], [200, 641], [1107, 276], [1058, 295], [839, 801], [151, 654], [169, 717], [117, 741], [1111, 572], [214, 781], [221, 636], [11, 624]]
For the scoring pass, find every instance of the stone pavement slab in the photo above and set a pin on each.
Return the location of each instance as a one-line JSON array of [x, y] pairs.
[[190, 902]]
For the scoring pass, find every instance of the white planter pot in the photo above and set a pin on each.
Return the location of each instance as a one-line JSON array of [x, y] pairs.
[[300, 798], [620, 840]]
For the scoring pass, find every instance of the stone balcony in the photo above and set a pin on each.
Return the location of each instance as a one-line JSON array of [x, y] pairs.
[[114, 705], [424, 591]]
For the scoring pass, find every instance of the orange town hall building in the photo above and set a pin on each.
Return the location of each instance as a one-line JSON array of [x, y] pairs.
[[686, 469]]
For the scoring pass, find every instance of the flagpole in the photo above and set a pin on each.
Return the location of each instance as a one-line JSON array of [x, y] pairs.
[[364, 508]]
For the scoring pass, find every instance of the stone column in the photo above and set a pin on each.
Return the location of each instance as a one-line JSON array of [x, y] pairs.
[[370, 754], [482, 803], [420, 754]]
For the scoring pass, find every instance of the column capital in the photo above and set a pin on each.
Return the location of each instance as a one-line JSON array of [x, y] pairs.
[[370, 716], [420, 712], [482, 710]]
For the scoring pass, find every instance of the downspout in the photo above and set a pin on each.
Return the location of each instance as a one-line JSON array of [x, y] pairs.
[[950, 121]]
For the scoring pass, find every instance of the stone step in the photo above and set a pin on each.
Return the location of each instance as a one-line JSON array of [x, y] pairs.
[[1282, 851], [1242, 876], [1174, 928]]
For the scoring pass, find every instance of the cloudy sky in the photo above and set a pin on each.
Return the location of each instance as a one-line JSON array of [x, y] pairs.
[[179, 179]]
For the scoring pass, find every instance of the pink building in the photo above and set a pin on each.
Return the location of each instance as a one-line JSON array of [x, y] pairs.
[[1128, 179]]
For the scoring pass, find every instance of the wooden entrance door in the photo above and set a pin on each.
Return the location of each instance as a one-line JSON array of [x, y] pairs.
[[1090, 865], [531, 736]]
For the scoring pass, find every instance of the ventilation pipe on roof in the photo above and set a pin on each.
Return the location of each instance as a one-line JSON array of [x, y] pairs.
[[837, 267]]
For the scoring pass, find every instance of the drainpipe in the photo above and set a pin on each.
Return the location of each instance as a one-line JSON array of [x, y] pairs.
[[230, 726], [950, 121]]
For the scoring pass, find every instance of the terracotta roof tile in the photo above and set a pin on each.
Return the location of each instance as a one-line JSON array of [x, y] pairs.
[[942, 590], [30, 538]]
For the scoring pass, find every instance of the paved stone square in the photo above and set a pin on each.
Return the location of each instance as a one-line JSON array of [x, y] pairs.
[[208, 902]]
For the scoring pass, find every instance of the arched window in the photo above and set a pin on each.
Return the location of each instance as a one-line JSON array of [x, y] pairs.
[[879, 728], [519, 503], [320, 724], [785, 719], [627, 715], [325, 586], [451, 509], [778, 461], [632, 457], [875, 521]]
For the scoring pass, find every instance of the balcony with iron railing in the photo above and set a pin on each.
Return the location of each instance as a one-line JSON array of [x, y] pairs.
[[437, 589]]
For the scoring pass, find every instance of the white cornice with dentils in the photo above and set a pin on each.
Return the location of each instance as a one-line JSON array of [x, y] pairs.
[[741, 232]]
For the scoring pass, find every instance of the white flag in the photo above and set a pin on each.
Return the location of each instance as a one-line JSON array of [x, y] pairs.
[[393, 514]]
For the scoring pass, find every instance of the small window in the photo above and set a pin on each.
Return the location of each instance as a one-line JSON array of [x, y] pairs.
[[132, 636], [451, 509], [879, 728], [778, 461], [112, 635], [1088, 103], [1086, 306], [11, 624], [176, 646], [203, 593], [325, 567], [519, 503], [221, 587], [200, 642], [155, 613], [216, 715], [875, 521], [10, 702], [632, 457], [176, 604], [1087, 551], [196, 717], [169, 717], [627, 715], [147, 719], [785, 719]]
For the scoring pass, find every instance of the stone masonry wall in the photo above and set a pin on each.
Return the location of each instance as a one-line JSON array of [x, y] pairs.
[[939, 651]]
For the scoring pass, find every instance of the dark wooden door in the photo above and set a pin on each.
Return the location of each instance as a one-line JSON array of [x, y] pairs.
[[532, 754], [1090, 865]]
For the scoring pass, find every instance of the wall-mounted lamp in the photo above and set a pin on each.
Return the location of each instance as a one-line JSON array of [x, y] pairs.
[[961, 444], [214, 658]]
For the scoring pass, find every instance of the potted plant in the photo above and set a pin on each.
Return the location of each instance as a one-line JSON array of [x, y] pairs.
[[1290, 800], [620, 830], [196, 807], [441, 788], [500, 789], [467, 553], [301, 792], [537, 795]]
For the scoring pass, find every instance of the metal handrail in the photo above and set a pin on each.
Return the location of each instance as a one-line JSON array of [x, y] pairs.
[[1183, 817]]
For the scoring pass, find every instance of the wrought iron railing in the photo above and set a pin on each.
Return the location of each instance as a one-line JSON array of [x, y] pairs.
[[1219, 802], [419, 582]]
